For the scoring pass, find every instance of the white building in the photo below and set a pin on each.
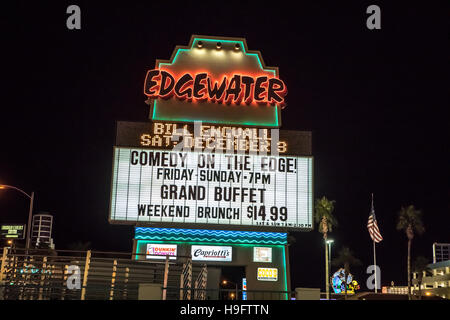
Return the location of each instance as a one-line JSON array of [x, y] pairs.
[[438, 282], [41, 230]]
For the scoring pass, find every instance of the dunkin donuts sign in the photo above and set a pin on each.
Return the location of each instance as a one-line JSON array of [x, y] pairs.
[[211, 253], [160, 251]]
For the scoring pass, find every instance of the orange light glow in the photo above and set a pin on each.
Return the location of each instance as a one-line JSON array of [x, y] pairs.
[[231, 88]]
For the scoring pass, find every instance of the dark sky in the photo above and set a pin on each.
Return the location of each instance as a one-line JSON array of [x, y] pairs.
[[374, 100]]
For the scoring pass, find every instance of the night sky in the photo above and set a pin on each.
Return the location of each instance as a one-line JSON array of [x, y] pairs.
[[375, 102]]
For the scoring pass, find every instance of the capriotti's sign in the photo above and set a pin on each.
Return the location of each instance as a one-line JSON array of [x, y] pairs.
[[211, 253], [215, 80]]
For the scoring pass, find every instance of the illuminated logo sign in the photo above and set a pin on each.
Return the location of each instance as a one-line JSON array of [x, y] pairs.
[[234, 89], [16, 231], [267, 274], [195, 188], [262, 254], [244, 288], [215, 80], [160, 251], [339, 282], [211, 253]]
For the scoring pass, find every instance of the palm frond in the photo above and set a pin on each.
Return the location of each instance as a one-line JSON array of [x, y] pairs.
[[410, 216], [345, 258], [324, 208]]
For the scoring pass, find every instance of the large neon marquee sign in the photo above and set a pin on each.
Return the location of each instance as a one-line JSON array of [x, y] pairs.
[[216, 80], [235, 89]]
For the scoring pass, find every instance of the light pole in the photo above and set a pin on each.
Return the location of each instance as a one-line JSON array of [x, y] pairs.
[[30, 213], [329, 243], [225, 282]]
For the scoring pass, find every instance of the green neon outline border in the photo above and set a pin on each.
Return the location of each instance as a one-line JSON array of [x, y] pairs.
[[285, 272], [277, 122], [139, 241], [217, 121], [283, 247]]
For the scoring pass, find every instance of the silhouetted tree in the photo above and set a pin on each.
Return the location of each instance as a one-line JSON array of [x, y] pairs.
[[323, 216], [421, 267], [410, 221]]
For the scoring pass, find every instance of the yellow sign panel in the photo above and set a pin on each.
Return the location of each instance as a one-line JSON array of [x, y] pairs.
[[267, 274]]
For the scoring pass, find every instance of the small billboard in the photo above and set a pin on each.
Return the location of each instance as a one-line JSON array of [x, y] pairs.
[[12, 231]]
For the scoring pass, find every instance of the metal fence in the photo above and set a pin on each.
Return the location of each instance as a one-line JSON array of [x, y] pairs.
[[67, 275], [93, 275]]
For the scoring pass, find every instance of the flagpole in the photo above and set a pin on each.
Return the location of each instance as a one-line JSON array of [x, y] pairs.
[[375, 266]]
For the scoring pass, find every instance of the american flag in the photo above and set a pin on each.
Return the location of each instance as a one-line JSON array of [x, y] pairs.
[[373, 226]]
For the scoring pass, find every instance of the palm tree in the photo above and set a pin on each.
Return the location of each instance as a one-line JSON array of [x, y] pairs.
[[323, 216], [346, 258], [410, 221], [421, 267]]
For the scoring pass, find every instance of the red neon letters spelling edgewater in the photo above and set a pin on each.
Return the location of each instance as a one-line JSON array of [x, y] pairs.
[[235, 88]]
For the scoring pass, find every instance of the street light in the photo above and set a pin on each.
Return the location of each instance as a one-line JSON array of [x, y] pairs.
[[329, 242], [225, 282], [30, 213]]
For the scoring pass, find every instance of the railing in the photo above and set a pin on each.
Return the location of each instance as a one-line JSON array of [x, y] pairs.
[[81, 275], [94, 275], [186, 280], [200, 284]]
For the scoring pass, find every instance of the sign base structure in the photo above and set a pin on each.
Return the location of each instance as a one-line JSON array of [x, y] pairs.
[[263, 255]]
